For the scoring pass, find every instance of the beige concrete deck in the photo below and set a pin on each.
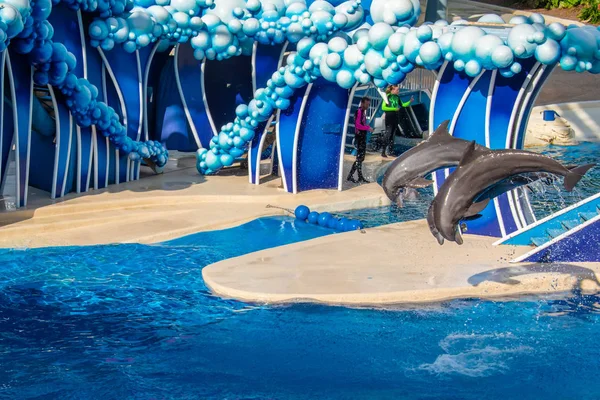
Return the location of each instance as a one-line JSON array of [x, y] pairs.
[[400, 263], [162, 207]]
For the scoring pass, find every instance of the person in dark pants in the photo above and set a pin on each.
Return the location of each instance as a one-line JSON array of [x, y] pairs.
[[360, 140], [391, 108]]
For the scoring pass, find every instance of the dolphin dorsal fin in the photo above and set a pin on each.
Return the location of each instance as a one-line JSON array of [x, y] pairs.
[[441, 132], [470, 154]]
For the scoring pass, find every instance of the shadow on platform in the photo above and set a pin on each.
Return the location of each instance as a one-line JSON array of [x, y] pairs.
[[506, 275]]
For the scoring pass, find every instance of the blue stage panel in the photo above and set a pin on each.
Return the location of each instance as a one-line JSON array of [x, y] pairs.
[[171, 123], [189, 76], [255, 151], [541, 77], [224, 82], [470, 125], [286, 132], [125, 69], [115, 97], [265, 60], [68, 32], [506, 91], [320, 136], [102, 146], [503, 106], [21, 75], [451, 89], [6, 119]]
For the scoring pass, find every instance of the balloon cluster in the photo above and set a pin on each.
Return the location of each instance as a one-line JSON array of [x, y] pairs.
[[103, 8], [54, 64], [175, 21], [383, 54], [234, 137], [224, 29], [276, 21], [326, 220], [14, 17]]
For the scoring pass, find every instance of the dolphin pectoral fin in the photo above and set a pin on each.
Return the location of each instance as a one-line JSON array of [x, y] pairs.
[[419, 183], [575, 175], [441, 132], [472, 217], [440, 239], [476, 208]]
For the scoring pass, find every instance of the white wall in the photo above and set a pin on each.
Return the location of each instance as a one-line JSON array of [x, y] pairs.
[[584, 118]]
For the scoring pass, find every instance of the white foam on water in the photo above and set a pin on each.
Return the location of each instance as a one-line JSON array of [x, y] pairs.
[[474, 355]]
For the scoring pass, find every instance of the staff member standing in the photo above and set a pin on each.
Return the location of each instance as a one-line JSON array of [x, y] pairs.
[[360, 138], [391, 108]]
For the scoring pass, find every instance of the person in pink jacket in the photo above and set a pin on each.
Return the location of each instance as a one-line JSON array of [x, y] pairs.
[[360, 140]]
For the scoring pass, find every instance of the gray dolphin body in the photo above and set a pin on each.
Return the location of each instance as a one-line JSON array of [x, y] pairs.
[[440, 150], [480, 169]]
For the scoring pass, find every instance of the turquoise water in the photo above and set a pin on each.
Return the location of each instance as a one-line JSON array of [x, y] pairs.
[[546, 200], [137, 322]]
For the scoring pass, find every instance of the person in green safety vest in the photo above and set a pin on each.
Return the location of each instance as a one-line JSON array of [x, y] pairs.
[[391, 108]]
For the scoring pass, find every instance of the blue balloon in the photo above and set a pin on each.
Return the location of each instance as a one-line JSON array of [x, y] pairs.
[[324, 218], [313, 217], [302, 212]]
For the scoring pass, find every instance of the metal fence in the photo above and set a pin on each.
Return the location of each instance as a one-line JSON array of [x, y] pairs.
[[418, 79]]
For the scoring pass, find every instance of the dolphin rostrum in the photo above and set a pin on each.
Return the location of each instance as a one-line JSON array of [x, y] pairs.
[[440, 150], [479, 169]]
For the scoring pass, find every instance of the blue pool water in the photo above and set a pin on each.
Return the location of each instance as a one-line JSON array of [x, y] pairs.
[[137, 322], [549, 199]]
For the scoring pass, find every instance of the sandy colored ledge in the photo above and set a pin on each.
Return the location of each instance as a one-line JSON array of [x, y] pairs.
[[399, 263], [163, 207]]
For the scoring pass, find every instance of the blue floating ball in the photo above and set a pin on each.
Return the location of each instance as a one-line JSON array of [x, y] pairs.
[[313, 217], [302, 212], [344, 224], [354, 226], [324, 218], [338, 225], [332, 223]]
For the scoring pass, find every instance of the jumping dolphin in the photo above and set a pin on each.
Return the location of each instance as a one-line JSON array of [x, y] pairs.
[[440, 150], [479, 169], [512, 183]]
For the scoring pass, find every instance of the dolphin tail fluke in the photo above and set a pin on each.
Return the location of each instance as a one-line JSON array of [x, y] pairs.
[[575, 175]]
